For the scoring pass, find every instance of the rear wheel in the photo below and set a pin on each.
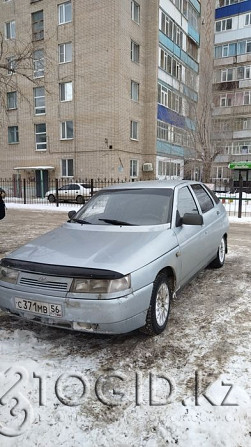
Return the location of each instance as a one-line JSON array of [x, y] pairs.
[[51, 198], [158, 312], [219, 261], [80, 200]]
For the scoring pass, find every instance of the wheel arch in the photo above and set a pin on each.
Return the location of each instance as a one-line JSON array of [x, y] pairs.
[[170, 273]]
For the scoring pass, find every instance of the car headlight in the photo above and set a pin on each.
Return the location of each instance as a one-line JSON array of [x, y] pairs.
[[101, 285], [8, 275]]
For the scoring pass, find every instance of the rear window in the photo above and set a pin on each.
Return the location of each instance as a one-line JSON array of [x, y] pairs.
[[205, 201], [212, 194]]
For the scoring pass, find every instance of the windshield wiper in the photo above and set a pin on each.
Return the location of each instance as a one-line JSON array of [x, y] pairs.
[[116, 222], [81, 221]]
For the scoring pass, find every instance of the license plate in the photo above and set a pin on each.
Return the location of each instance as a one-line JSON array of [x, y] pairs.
[[38, 307]]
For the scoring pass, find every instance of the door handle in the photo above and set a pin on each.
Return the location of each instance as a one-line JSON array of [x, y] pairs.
[[218, 212]]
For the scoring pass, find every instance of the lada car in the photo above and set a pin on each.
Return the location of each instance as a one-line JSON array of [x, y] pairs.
[[114, 266]]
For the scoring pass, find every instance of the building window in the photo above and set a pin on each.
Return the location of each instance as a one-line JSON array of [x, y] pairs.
[[192, 49], [13, 136], [246, 123], [11, 64], [38, 63], [193, 17], [135, 91], [134, 51], [65, 91], [135, 11], [64, 13], [169, 98], [65, 52], [247, 72], [169, 64], [37, 20], [11, 100], [134, 130], [10, 30], [67, 167], [40, 135], [67, 130], [247, 98], [248, 19], [134, 168], [170, 29], [227, 75], [221, 3], [39, 100], [226, 101], [227, 50], [223, 25]]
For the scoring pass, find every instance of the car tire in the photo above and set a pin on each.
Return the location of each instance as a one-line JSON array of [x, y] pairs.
[[51, 198], [158, 312], [219, 261], [80, 200]]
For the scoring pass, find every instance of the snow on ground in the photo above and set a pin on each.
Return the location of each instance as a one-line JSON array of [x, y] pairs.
[[189, 387]]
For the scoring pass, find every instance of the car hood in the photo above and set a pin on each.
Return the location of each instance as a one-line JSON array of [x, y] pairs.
[[119, 249]]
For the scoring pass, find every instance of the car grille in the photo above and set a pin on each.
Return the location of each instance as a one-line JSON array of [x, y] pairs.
[[42, 282]]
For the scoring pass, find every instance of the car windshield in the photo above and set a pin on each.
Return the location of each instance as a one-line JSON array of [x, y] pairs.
[[151, 206]]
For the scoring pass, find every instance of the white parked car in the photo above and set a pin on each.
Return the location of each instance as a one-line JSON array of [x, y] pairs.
[[72, 192]]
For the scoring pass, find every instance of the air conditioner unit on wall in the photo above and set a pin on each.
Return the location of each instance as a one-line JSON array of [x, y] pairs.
[[147, 167]]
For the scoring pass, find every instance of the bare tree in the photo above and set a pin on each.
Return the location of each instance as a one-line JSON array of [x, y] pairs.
[[15, 58], [204, 149]]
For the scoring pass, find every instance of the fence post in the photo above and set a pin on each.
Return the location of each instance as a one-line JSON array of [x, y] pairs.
[[56, 191], [91, 187], [24, 188], [240, 194]]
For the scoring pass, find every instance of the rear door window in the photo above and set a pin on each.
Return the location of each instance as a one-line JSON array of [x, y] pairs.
[[205, 201]]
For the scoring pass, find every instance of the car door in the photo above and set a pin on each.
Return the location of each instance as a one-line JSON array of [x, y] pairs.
[[63, 192], [211, 216], [73, 192], [190, 237]]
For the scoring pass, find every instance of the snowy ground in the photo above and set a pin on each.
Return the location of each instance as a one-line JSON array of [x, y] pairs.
[[189, 386]]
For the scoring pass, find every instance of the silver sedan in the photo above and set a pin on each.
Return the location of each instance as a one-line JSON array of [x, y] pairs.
[[117, 262]]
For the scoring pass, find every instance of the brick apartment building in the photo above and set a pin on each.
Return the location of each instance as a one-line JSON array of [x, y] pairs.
[[111, 90]]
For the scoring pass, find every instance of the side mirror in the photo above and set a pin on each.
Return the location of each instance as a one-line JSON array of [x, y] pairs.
[[71, 214], [192, 219]]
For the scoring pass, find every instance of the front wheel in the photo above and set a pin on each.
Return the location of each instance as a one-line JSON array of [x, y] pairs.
[[158, 312], [80, 200], [51, 198], [219, 261]]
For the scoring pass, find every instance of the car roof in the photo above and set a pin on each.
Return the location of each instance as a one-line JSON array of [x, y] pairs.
[[171, 184]]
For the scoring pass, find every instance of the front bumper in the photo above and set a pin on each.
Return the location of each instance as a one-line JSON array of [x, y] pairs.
[[114, 316]]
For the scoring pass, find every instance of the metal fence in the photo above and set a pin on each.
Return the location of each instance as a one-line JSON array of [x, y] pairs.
[[236, 204], [58, 191], [54, 191]]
